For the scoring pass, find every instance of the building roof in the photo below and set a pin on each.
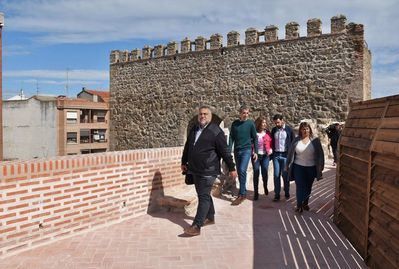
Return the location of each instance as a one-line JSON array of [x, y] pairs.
[[45, 98], [41, 98], [77, 103], [103, 94], [19, 97]]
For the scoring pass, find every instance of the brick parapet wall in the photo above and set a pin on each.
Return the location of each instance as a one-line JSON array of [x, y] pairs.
[[46, 200]]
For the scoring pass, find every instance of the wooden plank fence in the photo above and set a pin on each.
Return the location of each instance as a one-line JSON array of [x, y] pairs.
[[367, 185]]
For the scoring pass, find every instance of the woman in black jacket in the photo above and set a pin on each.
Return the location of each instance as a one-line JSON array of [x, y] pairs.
[[305, 162]]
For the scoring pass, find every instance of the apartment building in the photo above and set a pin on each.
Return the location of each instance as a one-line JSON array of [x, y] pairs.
[[30, 127], [45, 126], [83, 123]]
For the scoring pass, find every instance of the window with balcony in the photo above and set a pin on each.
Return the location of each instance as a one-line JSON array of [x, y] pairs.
[[99, 135], [72, 117], [72, 138], [84, 116], [102, 135], [98, 150], [101, 116], [84, 136]]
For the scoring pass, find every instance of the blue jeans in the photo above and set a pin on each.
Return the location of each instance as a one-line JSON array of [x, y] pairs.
[[262, 164], [205, 209], [279, 162], [242, 157], [304, 177]]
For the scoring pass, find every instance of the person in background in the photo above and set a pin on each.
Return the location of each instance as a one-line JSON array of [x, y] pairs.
[[305, 162], [206, 144], [333, 132], [243, 137], [264, 151], [282, 137]]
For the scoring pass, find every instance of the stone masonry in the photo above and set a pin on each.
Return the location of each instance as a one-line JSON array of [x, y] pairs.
[[154, 93]]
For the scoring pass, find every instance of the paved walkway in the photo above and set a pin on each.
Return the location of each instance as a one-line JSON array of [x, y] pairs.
[[256, 234]]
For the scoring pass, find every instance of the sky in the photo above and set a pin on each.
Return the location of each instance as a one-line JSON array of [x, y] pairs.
[[59, 46]]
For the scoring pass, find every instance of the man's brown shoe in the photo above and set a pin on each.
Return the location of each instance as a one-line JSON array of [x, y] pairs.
[[238, 200], [193, 230], [209, 222]]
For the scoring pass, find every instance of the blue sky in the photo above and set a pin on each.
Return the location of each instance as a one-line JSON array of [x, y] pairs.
[[59, 46]]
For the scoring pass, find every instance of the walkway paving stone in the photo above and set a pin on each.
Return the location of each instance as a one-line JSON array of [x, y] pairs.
[[255, 234]]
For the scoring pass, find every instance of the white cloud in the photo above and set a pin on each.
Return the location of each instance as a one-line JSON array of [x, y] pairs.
[[97, 21], [12, 50], [83, 75], [54, 81], [386, 56], [88, 21], [63, 82], [385, 83]]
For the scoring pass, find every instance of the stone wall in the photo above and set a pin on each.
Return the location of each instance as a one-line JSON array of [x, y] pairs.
[[367, 74], [154, 92]]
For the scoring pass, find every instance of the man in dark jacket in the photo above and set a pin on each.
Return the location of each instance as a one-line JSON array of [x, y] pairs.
[[333, 133], [206, 144], [282, 137]]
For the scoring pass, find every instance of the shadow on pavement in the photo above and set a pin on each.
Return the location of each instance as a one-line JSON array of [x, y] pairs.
[[157, 211], [283, 237]]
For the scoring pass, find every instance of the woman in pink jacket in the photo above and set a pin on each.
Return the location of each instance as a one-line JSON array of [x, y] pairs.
[[264, 152]]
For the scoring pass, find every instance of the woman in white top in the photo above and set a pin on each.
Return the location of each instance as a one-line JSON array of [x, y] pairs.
[[305, 162]]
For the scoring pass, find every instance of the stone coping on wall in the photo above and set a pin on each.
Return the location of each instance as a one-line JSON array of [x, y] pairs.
[[252, 37], [14, 170]]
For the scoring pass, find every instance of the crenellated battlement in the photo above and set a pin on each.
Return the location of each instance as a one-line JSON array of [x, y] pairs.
[[252, 37], [305, 73]]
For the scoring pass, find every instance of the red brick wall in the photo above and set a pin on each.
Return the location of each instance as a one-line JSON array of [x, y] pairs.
[[46, 200]]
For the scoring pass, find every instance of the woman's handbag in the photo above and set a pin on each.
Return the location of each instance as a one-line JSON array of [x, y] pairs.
[[189, 179]]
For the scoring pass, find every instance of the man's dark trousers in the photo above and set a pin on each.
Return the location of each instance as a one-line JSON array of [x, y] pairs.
[[205, 210]]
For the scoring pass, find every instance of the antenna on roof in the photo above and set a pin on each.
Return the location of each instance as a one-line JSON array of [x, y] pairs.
[[67, 82], [21, 94], [21, 91], [37, 87]]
